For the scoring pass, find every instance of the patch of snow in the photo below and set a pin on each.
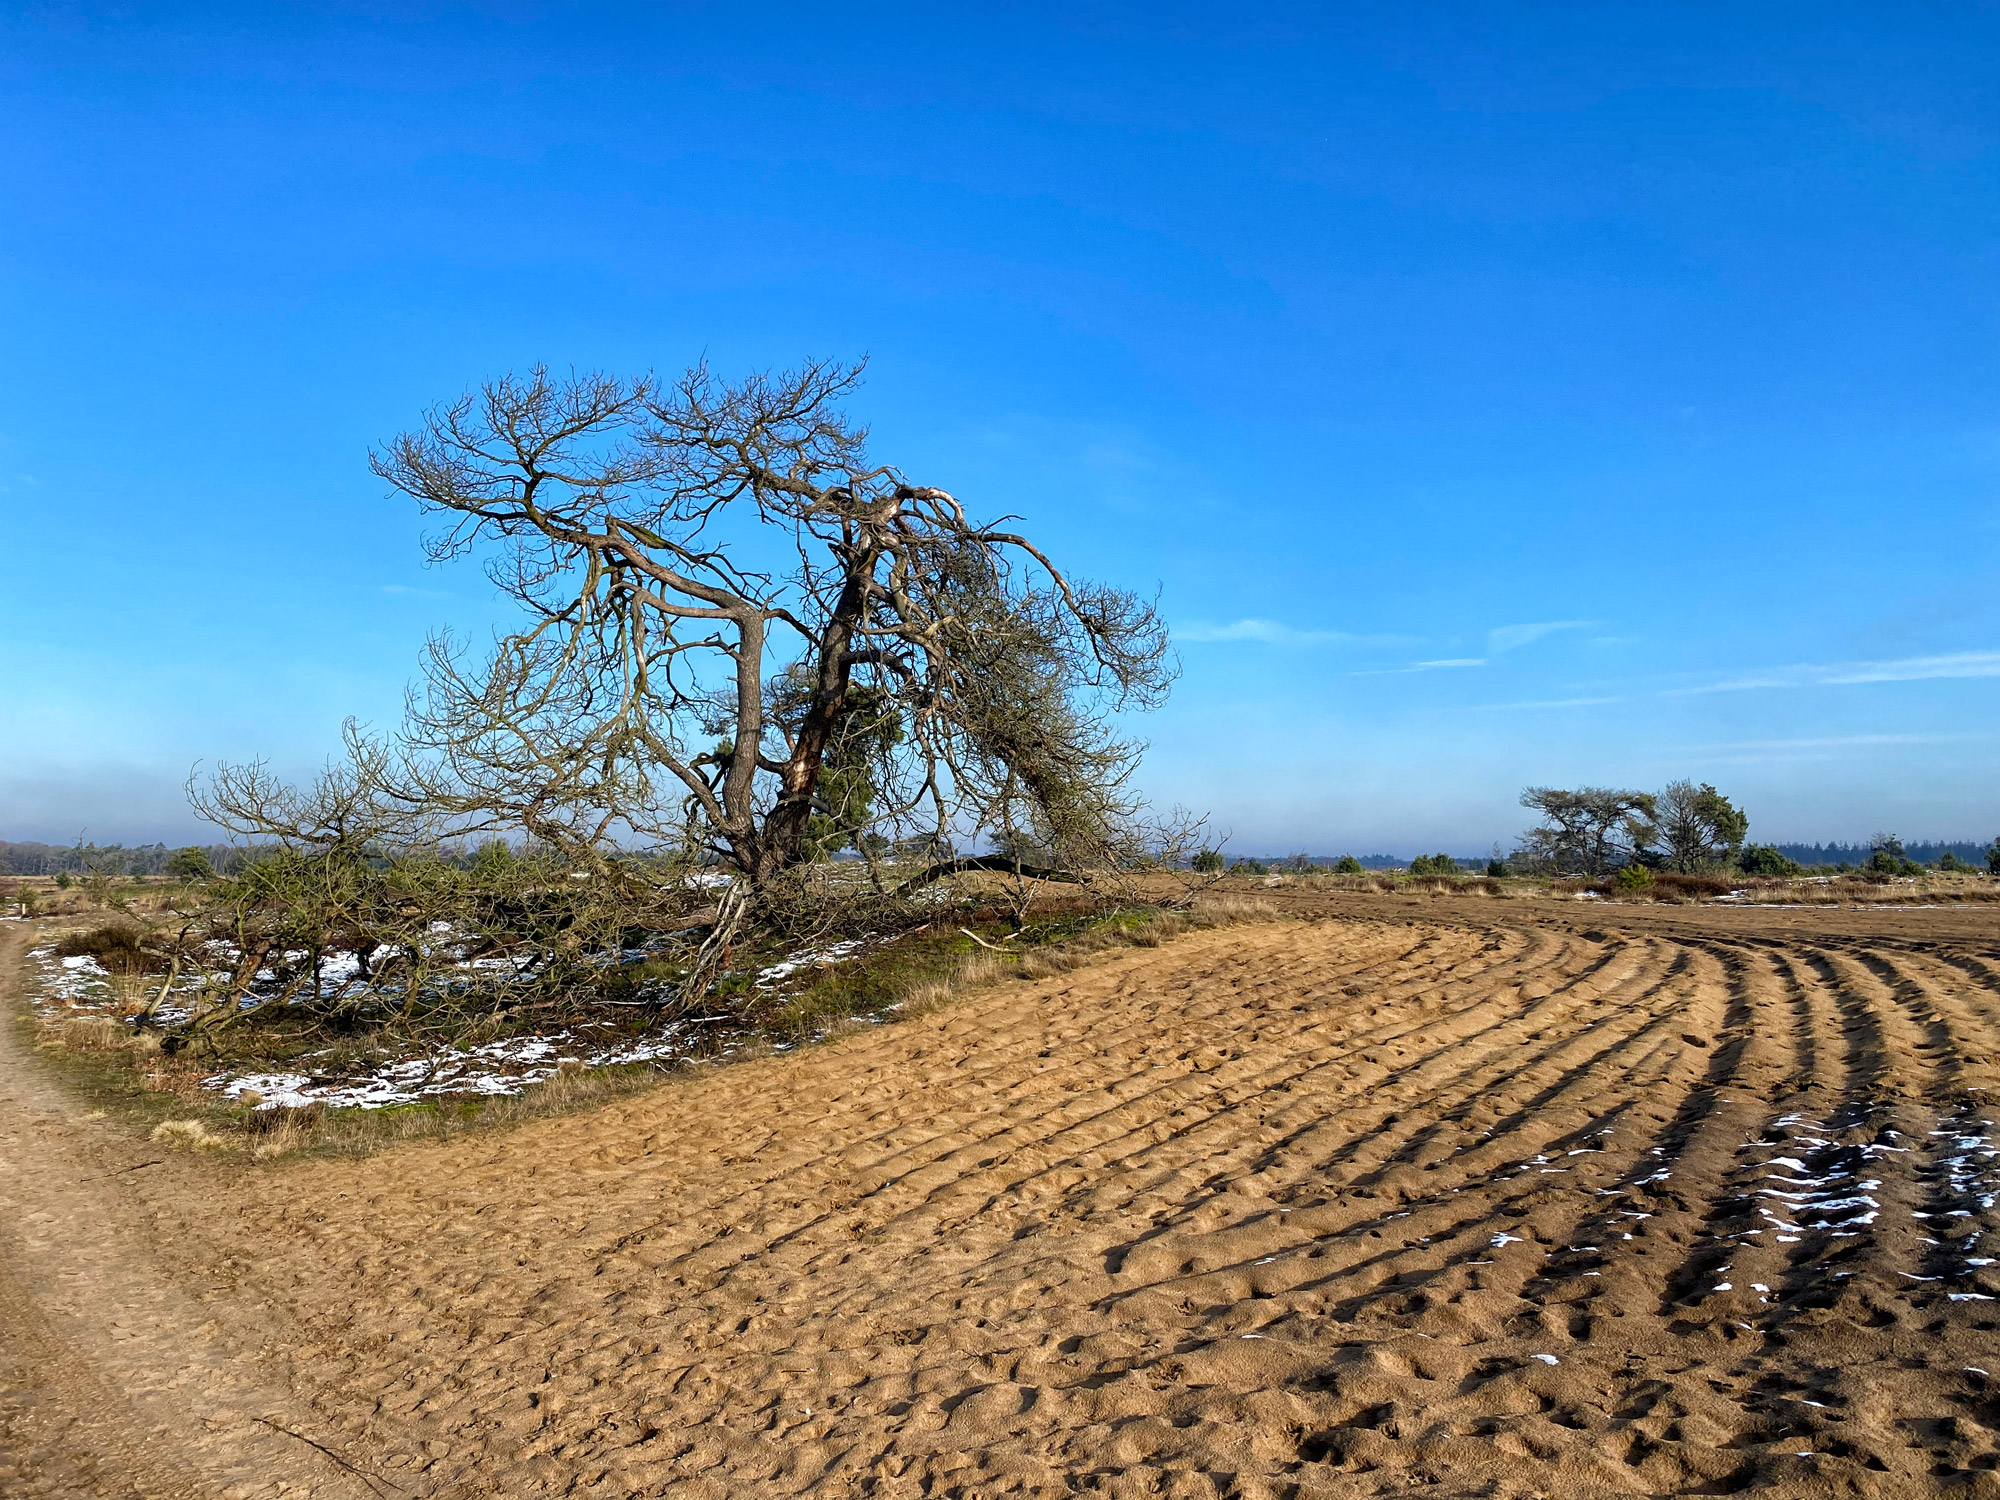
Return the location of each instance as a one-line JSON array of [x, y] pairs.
[[825, 957]]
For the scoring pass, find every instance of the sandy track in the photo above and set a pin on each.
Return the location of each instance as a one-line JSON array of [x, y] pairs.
[[1454, 1198], [122, 1376]]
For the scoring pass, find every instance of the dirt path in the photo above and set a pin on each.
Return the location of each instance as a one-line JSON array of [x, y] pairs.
[[1444, 1198], [116, 1378]]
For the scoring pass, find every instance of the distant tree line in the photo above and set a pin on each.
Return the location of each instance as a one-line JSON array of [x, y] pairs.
[[1689, 828], [1884, 851], [107, 859], [1923, 852], [198, 861], [1299, 864]]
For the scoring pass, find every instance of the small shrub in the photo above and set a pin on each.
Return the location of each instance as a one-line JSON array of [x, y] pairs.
[[1233, 909], [1497, 868], [1762, 859], [281, 1142], [1208, 862], [191, 863], [64, 880], [1434, 864], [1249, 867], [116, 945], [282, 1117], [1635, 878], [1347, 864], [1668, 883]]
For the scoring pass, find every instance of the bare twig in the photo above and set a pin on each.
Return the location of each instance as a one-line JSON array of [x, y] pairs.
[[362, 1474], [121, 1171]]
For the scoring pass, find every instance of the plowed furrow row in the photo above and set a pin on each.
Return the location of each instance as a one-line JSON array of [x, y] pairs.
[[1218, 1137], [1123, 1135], [874, 1154], [1565, 1067]]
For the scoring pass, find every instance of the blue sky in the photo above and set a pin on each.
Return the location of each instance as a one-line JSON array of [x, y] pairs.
[[1494, 395]]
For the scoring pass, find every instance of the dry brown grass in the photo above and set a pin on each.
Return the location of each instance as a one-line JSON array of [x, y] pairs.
[[93, 1034]]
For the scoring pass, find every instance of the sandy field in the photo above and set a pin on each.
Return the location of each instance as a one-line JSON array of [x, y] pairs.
[[1439, 1197]]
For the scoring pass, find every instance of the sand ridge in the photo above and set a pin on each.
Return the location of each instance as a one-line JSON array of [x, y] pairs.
[[1454, 1198]]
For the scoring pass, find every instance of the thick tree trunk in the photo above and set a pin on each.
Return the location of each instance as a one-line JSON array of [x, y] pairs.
[[786, 826]]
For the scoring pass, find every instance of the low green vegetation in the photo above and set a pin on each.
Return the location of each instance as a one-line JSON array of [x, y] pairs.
[[1634, 877], [1763, 860]]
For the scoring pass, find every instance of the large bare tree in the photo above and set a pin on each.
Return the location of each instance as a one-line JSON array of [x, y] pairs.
[[742, 635], [1586, 831]]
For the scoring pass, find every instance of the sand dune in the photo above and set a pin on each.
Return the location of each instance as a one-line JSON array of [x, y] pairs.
[[1450, 1198]]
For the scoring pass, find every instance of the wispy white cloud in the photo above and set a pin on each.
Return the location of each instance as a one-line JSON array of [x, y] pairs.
[[1443, 665], [1838, 742], [1830, 748], [1424, 666], [1504, 638], [1548, 703], [406, 591], [1847, 674], [1277, 633]]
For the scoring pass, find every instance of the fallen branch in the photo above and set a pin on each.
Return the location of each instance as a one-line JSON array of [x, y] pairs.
[[1004, 863], [708, 958], [995, 947]]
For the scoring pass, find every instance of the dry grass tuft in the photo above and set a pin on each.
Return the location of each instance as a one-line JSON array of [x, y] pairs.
[[94, 1034], [285, 1139], [1218, 910], [189, 1133]]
